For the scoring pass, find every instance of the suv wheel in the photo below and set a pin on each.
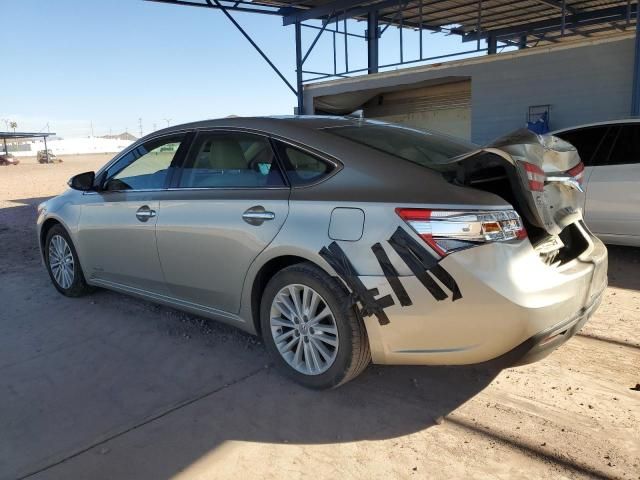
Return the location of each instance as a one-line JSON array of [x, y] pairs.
[[310, 328]]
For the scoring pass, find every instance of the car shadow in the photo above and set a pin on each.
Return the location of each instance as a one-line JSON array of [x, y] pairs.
[[265, 408], [256, 404]]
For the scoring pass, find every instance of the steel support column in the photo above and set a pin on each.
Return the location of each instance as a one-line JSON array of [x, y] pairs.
[[6, 152], [492, 44], [299, 93], [635, 95], [372, 42], [522, 42]]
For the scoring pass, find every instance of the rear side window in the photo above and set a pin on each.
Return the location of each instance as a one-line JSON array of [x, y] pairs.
[[424, 148], [593, 143], [231, 160], [301, 167], [627, 147]]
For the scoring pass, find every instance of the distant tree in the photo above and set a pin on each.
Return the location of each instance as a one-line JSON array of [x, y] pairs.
[[13, 125]]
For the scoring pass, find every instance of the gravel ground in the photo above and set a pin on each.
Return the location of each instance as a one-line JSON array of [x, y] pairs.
[[108, 386]]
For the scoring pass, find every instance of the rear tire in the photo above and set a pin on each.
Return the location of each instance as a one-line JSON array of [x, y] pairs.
[[63, 264], [302, 302]]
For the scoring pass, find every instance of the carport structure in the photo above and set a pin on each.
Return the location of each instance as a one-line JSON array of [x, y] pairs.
[[23, 135], [485, 24]]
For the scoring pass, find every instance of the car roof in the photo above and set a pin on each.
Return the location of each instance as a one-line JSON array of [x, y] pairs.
[[597, 124], [313, 122]]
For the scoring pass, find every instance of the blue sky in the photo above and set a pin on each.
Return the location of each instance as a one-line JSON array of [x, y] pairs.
[[108, 63]]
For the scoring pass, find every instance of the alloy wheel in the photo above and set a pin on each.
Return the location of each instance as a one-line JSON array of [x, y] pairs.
[[61, 261], [304, 329]]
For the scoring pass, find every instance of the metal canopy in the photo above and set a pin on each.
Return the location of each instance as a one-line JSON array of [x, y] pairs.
[[472, 18], [4, 136], [523, 24]]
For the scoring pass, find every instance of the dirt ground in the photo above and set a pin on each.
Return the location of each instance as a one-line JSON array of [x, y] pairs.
[[107, 386]]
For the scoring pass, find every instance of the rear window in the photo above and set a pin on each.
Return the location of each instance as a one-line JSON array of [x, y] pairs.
[[428, 149], [302, 168]]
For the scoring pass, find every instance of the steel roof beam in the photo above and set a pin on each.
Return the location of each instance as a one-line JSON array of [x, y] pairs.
[[387, 17], [264, 9], [294, 15], [378, 7], [558, 5], [572, 21], [470, 11], [489, 15], [555, 38], [508, 20], [348, 9]]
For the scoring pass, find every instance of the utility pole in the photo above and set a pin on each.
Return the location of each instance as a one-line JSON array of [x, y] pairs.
[[168, 120], [91, 128], [155, 127], [140, 125]]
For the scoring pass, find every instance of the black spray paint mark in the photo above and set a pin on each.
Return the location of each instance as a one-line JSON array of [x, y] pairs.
[[420, 261], [391, 274], [338, 260]]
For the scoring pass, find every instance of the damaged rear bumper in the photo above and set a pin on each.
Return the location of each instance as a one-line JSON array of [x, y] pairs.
[[511, 304], [542, 344]]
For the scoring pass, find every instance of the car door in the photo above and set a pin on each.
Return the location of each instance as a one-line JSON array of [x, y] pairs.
[[613, 191], [117, 237], [228, 203]]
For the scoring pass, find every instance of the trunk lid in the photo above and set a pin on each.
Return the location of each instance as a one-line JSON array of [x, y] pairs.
[[530, 171]]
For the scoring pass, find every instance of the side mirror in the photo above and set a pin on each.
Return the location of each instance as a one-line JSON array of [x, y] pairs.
[[82, 181]]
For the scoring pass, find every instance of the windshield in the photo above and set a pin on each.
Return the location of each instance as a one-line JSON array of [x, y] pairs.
[[428, 149]]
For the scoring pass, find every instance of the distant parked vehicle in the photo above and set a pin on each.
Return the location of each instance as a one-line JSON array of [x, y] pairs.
[[610, 152], [47, 156], [8, 159]]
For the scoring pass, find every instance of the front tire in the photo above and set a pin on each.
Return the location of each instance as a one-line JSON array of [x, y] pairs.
[[311, 329], [63, 264]]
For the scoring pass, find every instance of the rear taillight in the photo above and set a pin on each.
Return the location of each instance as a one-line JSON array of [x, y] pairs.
[[577, 172], [446, 231], [535, 176]]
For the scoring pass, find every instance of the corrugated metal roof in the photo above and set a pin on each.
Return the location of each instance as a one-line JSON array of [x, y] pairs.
[[541, 20]]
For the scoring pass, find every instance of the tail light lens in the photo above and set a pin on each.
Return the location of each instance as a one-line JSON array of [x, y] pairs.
[[577, 172], [446, 231], [535, 176]]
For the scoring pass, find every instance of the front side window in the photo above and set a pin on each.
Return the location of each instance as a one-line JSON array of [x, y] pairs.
[[424, 148], [231, 160], [146, 166], [302, 167]]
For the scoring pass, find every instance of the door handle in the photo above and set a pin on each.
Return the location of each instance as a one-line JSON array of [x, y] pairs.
[[144, 213], [257, 215]]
